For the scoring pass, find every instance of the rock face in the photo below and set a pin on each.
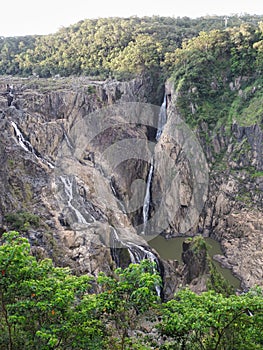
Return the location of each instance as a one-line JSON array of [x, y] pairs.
[[73, 192], [56, 159], [232, 207]]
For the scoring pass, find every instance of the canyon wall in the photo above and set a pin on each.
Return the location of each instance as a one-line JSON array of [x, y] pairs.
[[57, 142]]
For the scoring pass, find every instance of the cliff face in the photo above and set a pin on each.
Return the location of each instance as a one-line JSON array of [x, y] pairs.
[[76, 154], [73, 193], [232, 209]]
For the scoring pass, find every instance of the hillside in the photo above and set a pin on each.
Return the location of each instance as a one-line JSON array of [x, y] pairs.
[[116, 47], [93, 169]]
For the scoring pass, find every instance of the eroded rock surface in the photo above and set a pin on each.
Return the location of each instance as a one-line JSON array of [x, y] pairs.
[[82, 199]]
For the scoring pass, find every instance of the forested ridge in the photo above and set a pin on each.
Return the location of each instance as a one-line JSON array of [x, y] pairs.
[[215, 66], [117, 47]]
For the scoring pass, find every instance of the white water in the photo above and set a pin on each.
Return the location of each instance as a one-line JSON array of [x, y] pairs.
[[26, 145], [118, 243], [21, 140], [147, 198], [138, 253], [68, 188], [162, 119]]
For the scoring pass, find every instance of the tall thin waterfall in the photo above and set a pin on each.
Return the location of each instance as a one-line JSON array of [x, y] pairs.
[[147, 198], [162, 119]]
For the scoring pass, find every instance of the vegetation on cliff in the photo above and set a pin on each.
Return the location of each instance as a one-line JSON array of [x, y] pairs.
[[218, 76], [45, 307]]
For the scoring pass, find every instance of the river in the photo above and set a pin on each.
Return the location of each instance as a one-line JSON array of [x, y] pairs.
[[171, 249]]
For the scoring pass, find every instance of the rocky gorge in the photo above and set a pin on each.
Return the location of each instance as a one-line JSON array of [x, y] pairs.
[[77, 154]]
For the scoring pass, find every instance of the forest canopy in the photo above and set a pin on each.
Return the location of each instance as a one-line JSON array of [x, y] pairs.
[[117, 47], [46, 308]]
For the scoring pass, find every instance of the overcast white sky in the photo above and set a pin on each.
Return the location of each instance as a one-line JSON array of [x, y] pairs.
[[22, 17]]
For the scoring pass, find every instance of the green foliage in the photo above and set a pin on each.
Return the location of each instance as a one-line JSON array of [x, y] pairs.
[[198, 243], [127, 296], [257, 174], [218, 77], [91, 89], [118, 47], [246, 108], [42, 307], [211, 321], [217, 282], [22, 220]]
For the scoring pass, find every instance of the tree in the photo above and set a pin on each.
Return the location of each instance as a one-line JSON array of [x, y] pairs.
[[211, 321], [140, 56], [128, 296], [43, 307]]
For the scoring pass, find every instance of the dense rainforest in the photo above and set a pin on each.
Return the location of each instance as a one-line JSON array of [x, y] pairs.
[[122, 47], [215, 65]]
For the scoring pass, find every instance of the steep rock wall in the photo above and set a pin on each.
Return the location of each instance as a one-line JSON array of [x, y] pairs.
[[75, 197], [232, 209]]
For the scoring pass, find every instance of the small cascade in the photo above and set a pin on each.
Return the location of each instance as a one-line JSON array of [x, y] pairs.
[[68, 183], [136, 252], [26, 145], [117, 243], [162, 119], [139, 253], [20, 138], [147, 198]]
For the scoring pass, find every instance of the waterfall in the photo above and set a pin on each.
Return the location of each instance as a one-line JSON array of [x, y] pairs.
[[72, 199], [140, 253], [26, 145], [68, 188], [162, 119], [147, 198], [117, 243], [136, 252], [20, 138]]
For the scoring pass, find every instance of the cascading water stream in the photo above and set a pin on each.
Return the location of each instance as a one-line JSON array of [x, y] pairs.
[[26, 145], [147, 198], [68, 190], [136, 252], [162, 119]]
